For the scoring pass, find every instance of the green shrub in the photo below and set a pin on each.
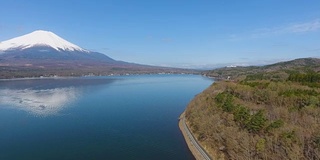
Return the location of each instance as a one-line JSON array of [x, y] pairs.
[[241, 115], [275, 124], [256, 122], [260, 146]]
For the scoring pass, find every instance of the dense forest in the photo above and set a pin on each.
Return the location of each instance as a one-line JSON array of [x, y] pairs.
[[261, 113]]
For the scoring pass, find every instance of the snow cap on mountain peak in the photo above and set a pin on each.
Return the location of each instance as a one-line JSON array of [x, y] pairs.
[[39, 38]]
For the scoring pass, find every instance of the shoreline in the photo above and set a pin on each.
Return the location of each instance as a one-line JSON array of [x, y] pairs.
[[33, 78], [195, 152], [110, 75]]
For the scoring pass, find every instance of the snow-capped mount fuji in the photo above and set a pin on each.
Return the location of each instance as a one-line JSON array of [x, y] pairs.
[[43, 53], [39, 38], [45, 45]]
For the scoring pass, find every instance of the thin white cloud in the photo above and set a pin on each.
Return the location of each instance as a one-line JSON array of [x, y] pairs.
[[295, 28], [305, 27]]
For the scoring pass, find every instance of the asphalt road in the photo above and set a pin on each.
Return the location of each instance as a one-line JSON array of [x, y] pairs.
[[194, 142]]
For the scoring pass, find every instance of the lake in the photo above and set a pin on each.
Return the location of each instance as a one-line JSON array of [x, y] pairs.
[[116, 117]]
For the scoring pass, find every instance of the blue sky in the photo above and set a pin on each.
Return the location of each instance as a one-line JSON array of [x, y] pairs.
[[179, 33]]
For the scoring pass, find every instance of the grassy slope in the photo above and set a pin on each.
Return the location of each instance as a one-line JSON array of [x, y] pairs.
[[263, 113]]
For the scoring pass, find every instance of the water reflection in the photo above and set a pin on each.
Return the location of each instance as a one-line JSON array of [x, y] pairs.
[[39, 102], [44, 97]]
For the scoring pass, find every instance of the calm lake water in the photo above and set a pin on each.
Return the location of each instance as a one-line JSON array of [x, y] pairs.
[[125, 117]]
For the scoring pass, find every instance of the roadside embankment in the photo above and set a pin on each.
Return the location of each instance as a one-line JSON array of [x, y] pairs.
[[192, 143]]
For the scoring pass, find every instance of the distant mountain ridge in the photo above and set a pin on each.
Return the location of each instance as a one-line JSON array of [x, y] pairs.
[[301, 62], [297, 65]]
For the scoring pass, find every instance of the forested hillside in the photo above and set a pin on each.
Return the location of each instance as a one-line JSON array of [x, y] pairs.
[[270, 112]]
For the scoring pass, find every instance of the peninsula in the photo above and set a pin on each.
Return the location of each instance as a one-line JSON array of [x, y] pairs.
[[268, 112]]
